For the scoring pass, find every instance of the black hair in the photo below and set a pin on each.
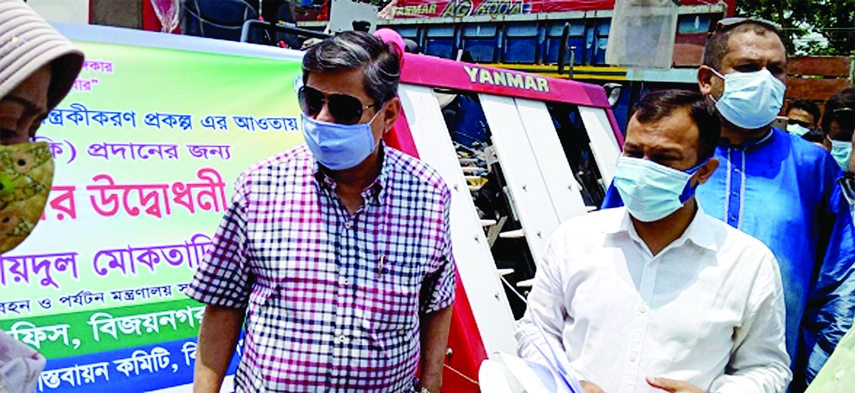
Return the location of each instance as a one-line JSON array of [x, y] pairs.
[[815, 135], [717, 43], [662, 103], [353, 50], [808, 106], [840, 107]]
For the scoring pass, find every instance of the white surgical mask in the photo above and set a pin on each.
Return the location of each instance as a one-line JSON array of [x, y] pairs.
[[651, 191], [339, 146], [797, 129], [841, 151], [751, 100]]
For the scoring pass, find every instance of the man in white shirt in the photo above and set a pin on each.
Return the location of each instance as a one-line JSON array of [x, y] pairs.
[[658, 296]]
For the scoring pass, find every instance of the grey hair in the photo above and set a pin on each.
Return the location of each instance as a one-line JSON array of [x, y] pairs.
[[354, 50]]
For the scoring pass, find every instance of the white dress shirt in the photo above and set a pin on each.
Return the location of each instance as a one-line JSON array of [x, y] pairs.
[[708, 309]]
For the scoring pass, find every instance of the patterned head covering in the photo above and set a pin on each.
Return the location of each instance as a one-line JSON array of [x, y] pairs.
[[28, 43]]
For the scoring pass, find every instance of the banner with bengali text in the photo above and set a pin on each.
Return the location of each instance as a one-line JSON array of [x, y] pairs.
[[147, 146]]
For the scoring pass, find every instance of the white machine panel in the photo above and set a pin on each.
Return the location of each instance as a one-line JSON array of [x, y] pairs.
[[603, 141], [526, 185], [555, 170], [475, 263]]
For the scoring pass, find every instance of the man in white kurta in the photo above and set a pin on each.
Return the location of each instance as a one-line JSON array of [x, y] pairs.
[[701, 313]]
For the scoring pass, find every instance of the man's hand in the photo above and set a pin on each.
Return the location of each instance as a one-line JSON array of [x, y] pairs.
[[670, 385], [589, 387], [434, 341], [218, 337]]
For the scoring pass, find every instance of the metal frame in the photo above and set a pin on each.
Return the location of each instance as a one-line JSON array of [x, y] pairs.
[[282, 28], [551, 16], [472, 254]]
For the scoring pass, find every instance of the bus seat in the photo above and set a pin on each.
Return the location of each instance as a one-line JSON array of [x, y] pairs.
[[220, 19]]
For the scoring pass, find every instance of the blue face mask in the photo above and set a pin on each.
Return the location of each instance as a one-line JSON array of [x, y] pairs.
[[651, 191], [841, 150], [797, 129], [751, 99], [339, 146]]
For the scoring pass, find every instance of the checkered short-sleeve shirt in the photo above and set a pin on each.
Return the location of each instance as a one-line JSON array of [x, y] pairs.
[[333, 300]]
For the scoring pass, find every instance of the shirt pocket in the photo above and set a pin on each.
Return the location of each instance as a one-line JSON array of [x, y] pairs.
[[393, 313]]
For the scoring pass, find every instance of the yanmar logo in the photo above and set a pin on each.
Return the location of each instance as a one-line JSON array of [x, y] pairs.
[[507, 79]]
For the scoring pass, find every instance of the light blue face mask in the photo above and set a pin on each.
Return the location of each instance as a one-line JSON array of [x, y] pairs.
[[797, 129], [751, 99], [651, 191], [841, 151], [339, 146]]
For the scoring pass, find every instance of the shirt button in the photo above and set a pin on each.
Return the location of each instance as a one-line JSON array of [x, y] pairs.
[[733, 218], [734, 194], [632, 359], [348, 224], [347, 281], [342, 340], [642, 309], [737, 170]]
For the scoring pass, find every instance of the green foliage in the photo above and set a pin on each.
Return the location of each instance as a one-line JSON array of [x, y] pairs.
[[832, 19]]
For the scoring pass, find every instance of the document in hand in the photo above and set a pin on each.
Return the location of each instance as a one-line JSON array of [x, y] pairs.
[[556, 360], [534, 377]]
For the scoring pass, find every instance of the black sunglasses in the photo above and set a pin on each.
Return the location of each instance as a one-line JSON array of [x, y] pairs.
[[799, 122], [345, 109]]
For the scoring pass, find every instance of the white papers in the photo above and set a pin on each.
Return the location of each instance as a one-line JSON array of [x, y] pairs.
[[527, 376]]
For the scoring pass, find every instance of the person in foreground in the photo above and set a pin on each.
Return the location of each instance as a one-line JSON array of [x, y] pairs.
[[657, 295], [38, 66], [337, 253]]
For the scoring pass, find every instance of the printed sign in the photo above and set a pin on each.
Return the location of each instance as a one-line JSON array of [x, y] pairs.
[[146, 147]]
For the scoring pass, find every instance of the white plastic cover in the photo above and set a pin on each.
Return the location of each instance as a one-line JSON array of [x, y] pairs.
[[642, 33]]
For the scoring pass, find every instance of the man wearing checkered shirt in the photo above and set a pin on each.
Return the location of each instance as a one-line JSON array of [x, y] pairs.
[[335, 254]]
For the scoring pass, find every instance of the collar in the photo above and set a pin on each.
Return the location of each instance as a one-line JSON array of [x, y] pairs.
[[751, 142], [700, 230], [376, 192]]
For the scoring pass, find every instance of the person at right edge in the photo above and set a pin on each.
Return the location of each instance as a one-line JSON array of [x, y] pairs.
[[779, 189], [838, 374], [838, 124], [839, 120]]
